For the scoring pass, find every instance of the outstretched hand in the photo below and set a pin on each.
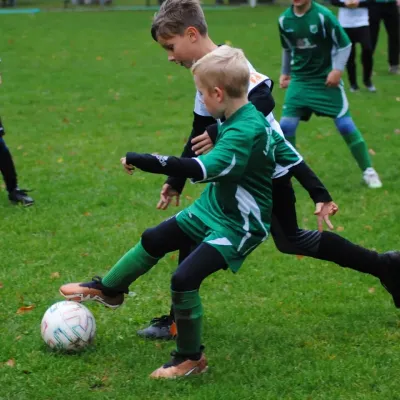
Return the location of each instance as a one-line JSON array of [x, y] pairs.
[[166, 195], [323, 211], [127, 167]]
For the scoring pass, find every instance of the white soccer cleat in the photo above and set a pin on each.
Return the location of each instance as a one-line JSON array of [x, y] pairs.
[[371, 178]]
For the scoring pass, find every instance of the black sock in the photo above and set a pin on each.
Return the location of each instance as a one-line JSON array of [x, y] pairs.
[[7, 167], [346, 254]]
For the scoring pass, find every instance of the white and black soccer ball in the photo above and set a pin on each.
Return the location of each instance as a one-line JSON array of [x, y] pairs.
[[68, 326]]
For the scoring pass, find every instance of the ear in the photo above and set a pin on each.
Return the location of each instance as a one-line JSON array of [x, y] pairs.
[[219, 93], [192, 33]]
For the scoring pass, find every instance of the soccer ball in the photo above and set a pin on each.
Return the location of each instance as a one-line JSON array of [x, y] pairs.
[[68, 326]]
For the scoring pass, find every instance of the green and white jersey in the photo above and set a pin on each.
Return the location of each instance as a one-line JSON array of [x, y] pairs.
[[256, 79], [238, 202], [312, 39]]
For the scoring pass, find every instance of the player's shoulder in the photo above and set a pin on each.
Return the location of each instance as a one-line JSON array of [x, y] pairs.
[[286, 14], [322, 10]]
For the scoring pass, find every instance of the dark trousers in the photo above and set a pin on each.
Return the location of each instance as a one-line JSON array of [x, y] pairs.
[[389, 13], [360, 35], [7, 167]]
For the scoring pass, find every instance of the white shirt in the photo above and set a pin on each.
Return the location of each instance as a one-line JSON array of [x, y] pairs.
[[353, 17]]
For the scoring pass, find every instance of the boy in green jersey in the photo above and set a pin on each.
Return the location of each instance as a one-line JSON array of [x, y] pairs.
[[229, 220], [315, 52]]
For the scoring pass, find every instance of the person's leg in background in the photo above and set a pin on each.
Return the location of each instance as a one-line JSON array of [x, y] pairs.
[[351, 63], [391, 21], [364, 37]]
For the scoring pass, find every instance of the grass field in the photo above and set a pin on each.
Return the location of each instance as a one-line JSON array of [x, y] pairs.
[[82, 89]]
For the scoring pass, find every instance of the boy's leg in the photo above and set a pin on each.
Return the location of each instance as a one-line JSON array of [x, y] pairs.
[[289, 126], [374, 23], [7, 169], [366, 57], [164, 327], [391, 21], [328, 246], [188, 359], [351, 63], [154, 244]]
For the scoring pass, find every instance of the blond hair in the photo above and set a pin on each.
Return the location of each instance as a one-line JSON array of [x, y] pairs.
[[174, 16], [226, 68]]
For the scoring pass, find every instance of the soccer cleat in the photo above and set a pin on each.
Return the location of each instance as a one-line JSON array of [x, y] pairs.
[[370, 87], [162, 327], [354, 88], [371, 178], [92, 291], [390, 277], [20, 196], [181, 366], [394, 69]]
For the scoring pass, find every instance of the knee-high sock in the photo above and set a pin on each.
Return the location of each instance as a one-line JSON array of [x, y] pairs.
[[189, 320], [133, 264]]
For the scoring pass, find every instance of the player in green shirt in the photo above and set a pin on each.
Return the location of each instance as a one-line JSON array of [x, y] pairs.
[[315, 52], [230, 219]]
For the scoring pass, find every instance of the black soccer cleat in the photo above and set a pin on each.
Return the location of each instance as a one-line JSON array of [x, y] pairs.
[[163, 328], [20, 196], [390, 277]]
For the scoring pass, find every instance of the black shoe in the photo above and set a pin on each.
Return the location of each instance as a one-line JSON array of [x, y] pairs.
[[160, 328], [20, 196], [390, 278]]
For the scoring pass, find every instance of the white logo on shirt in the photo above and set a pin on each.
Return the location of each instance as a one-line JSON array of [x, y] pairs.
[[313, 29], [162, 160]]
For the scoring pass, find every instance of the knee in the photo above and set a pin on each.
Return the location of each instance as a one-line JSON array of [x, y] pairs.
[[284, 244], [345, 125], [180, 282], [151, 241], [289, 125]]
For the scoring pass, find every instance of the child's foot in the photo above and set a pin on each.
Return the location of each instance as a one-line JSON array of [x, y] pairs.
[[390, 278], [371, 178], [181, 366], [92, 291], [370, 87], [20, 196], [354, 88], [162, 327]]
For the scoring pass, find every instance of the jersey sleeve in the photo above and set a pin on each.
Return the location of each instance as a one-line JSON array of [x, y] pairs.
[[228, 159], [284, 40], [285, 154], [336, 32]]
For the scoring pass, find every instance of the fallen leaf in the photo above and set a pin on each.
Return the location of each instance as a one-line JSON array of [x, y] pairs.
[[372, 152], [371, 290], [87, 214], [10, 362], [55, 275], [340, 229], [1, 285], [188, 197], [18, 337], [397, 131], [60, 160], [397, 98], [299, 257], [172, 257], [99, 58], [10, 41], [25, 309], [80, 109], [170, 77], [228, 42], [84, 254], [25, 154], [66, 120], [20, 147], [368, 227]]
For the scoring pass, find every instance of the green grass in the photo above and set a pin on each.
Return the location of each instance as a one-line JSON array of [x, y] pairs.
[[82, 89]]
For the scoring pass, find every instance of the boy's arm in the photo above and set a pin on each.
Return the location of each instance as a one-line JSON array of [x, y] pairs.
[[200, 124], [227, 161], [341, 46]]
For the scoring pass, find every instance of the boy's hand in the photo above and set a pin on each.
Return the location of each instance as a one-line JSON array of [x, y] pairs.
[[323, 211], [202, 144], [284, 81], [127, 167], [352, 3], [334, 78], [166, 195]]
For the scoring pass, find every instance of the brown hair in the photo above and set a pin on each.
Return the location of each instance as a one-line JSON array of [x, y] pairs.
[[175, 16]]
